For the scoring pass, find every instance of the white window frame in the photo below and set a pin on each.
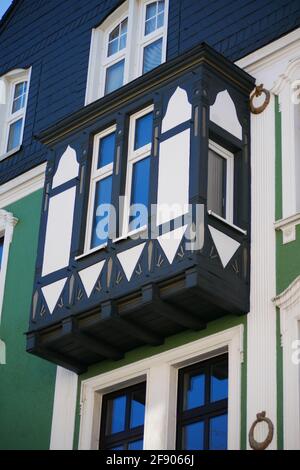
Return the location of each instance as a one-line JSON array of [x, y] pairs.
[[161, 375], [7, 88], [289, 304], [134, 156], [7, 225], [145, 41], [229, 157], [133, 53], [97, 174]]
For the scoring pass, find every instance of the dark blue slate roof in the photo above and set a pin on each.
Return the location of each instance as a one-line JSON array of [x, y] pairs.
[[54, 38]]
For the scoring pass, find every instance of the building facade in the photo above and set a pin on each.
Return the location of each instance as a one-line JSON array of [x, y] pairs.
[[149, 225]]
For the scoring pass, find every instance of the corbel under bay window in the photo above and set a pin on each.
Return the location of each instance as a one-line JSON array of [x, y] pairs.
[[7, 224], [220, 188], [14, 88], [129, 43]]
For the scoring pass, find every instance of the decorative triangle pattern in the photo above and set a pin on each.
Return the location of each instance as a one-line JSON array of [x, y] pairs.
[[170, 242], [90, 275], [225, 246], [129, 259], [52, 292]]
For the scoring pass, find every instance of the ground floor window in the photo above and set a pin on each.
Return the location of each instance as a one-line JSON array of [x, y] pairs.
[[122, 422], [203, 405]]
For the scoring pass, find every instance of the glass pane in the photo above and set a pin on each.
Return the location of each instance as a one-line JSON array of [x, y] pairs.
[[160, 20], [124, 26], [193, 436], [161, 6], [114, 76], [1, 250], [150, 26], [143, 131], [219, 381], [194, 391], [152, 55], [218, 433], [19, 96], [216, 191], [136, 445], [114, 34], [123, 40], [106, 150], [14, 138], [137, 412], [140, 193], [101, 212], [113, 47], [115, 419], [151, 10]]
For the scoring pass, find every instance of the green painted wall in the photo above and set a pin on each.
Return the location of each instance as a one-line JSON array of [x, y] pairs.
[[171, 342], [26, 382]]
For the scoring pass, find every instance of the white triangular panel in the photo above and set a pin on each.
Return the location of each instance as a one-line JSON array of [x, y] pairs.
[[90, 275], [52, 293], [223, 113], [67, 168], [129, 259], [170, 242], [226, 246], [179, 110]]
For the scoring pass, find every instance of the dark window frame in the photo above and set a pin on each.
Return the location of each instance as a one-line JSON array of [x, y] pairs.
[[129, 435], [202, 413]]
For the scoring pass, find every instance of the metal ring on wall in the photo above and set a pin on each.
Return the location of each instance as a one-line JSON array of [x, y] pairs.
[[255, 445], [259, 90]]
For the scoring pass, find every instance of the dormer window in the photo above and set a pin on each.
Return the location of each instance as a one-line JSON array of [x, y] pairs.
[[130, 42], [13, 101]]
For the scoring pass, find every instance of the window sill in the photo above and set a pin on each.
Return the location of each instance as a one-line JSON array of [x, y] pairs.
[[11, 152], [90, 252], [235, 227], [288, 228], [131, 234]]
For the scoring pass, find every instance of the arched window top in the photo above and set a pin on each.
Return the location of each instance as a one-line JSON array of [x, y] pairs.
[[130, 42]]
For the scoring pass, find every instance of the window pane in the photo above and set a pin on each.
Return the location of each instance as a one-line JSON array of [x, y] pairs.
[[219, 381], [137, 412], [154, 16], [136, 445], [161, 6], [218, 433], [1, 250], [216, 192], [140, 193], [117, 38], [113, 47], [192, 436], [151, 10], [106, 150], [194, 391], [14, 138], [150, 26], [116, 411], [152, 55], [19, 96], [114, 76], [143, 131], [101, 212]]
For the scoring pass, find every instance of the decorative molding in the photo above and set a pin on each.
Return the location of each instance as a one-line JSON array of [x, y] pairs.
[[229, 120], [225, 246], [160, 372], [67, 168], [22, 186], [179, 110], [288, 228], [289, 303], [52, 292]]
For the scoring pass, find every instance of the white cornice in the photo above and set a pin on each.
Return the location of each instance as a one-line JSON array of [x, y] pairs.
[[289, 296], [22, 186]]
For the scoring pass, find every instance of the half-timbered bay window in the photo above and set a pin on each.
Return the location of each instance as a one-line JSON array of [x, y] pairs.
[[202, 405], [220, 181], [13, 102], [122, 419], [101, 189], [129, 43]]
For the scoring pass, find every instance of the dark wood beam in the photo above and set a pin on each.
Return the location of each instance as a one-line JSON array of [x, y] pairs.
[[109, 310], [98, 346], [177, 315]]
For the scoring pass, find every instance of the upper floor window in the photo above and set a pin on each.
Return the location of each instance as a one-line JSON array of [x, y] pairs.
[[129, 43], [13, 102]]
